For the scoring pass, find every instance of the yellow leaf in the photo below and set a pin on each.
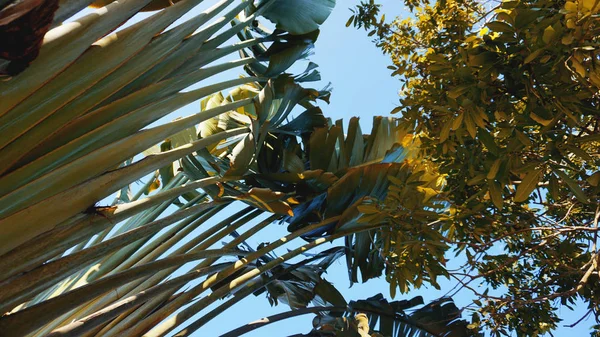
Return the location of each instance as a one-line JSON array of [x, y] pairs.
[[594, 179], [545, 59], [567, 39], [471, 126], [594, 78], [570, 6], [221, 190], [549, 34], [533, 56], [494, 169], [154, 186], [368, 209], [428, 193], [579, 68], [457, 121], [445, 133], [589, 4], [540, 120]]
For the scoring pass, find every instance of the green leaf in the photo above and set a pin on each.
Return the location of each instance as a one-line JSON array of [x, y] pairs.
[[457, 91], [528, 184], [496, 194], [553, 187], [329, 293], [52, 211], [445, 133], [97, 62], [471, 127], [533, 56], [476, 180], [298, 16], [242, 156], [540, 120], [573, 186], [494, 169], [350, 20], [41, 314], [500, 26], [62, 46]]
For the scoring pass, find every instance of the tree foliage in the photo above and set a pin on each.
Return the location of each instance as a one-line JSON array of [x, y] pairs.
[[77, 122], [503, 100]]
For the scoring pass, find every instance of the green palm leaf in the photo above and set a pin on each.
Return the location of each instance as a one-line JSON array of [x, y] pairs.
[[77, 129]]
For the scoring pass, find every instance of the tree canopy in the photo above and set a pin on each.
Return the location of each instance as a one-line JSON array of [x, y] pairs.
[[503, 101]]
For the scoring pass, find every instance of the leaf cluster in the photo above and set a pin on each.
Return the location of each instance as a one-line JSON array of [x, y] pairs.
[[504, 103]]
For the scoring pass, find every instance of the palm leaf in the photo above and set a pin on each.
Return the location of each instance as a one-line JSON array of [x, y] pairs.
[[76, 130]]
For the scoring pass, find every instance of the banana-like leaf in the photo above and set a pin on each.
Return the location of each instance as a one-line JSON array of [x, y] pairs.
[[303, 284], [376, 316], [154, 52], [28, 320], [21, 287], [103, 57], [103, 316], [76, 137], [17, 227], [299, 16]]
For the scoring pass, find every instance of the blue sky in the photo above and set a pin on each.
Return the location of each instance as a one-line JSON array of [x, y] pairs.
[[362, 87]]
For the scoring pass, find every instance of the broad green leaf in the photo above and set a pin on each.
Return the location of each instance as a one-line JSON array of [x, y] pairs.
[[38, 315], [108, 313], [298, 16], [88, 160], [39, 278], [134, 67], [42, 216], [66, 236], [103, 57], [354, 143]]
